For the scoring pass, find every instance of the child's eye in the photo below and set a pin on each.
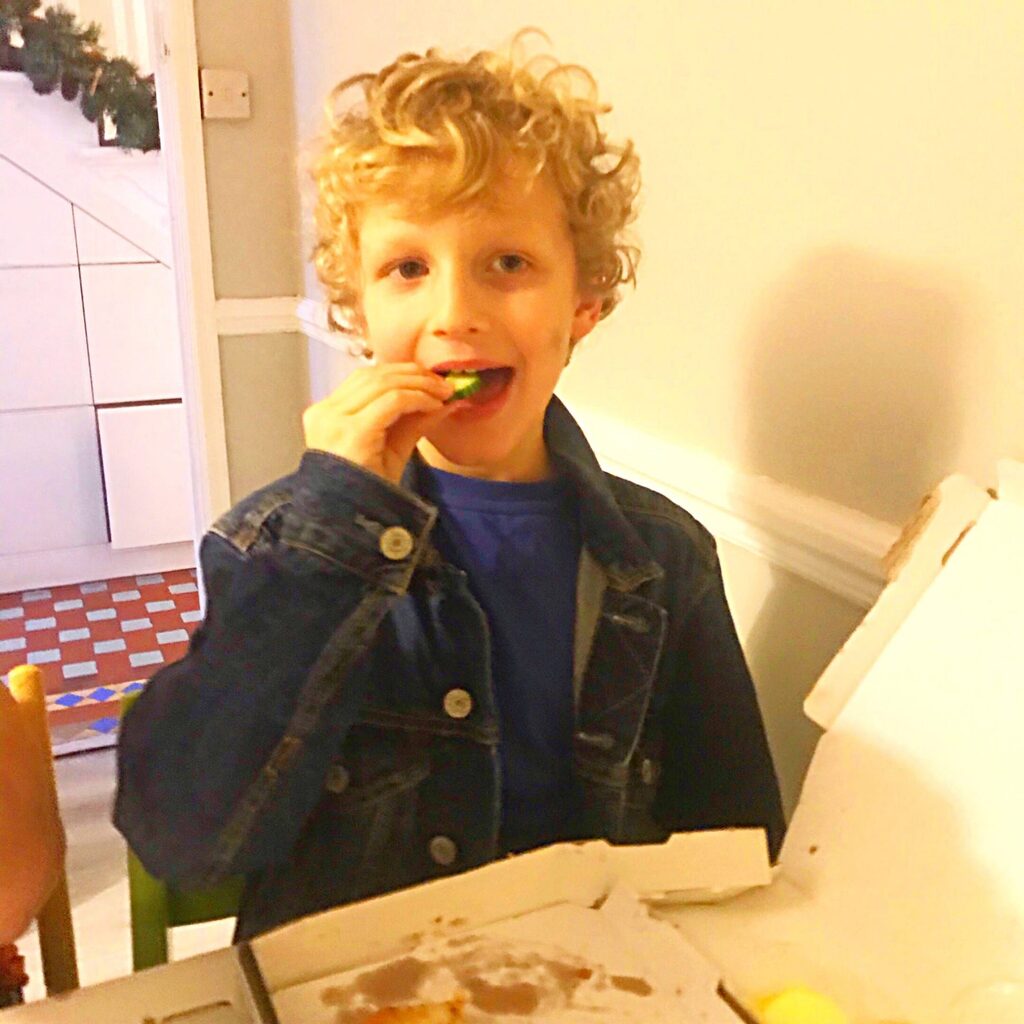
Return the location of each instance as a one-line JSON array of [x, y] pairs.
[[409, 269], [510, 263]]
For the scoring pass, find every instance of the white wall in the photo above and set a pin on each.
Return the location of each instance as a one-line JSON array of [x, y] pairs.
[[831, 289]]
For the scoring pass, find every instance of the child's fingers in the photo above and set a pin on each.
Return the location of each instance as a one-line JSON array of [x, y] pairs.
[[365, 436], [367, 385], [405, 434]]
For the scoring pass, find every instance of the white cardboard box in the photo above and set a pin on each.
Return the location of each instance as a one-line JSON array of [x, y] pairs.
[[901, 882], [557, 884], [209, 989]]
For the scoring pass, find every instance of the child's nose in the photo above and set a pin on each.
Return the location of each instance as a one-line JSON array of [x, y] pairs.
[[459, 306]]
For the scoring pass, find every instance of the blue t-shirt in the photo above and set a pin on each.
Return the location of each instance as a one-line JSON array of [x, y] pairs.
[[519, 544]]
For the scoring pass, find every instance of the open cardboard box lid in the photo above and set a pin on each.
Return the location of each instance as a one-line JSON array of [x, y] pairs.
[[690, 866], [901, 881]]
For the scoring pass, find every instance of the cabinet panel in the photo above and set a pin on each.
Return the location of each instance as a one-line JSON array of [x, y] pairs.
[[43, 357], [53, 490], [132, 325], [146, 469], [37, 226]]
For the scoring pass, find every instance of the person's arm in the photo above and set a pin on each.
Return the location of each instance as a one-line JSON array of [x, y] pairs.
[[31, 837], [222, 758], [718, 769]]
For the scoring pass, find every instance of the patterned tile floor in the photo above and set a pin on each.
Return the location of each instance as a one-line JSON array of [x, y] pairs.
[[95, 641]]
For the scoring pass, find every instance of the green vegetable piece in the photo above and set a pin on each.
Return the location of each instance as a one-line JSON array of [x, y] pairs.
[[466, 383]]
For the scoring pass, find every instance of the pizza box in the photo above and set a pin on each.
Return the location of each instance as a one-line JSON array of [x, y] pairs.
[[583, 905], [900, 885], [588, 901]]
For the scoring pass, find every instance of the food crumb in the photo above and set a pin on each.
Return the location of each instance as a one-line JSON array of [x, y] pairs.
[[626, 983]]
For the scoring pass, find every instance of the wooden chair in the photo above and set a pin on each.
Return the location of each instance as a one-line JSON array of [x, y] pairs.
[[56, 932], [157, 907]]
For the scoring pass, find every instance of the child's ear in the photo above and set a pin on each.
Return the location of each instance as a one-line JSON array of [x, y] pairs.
[[585, 318]]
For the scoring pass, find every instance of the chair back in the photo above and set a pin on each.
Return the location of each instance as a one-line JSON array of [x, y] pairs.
[[56, 931], [157, 907]]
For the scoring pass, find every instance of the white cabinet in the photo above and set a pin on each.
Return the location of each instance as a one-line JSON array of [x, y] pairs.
[[133, 338], [53, 489], [43, 359], [146, 468], [36, 229]]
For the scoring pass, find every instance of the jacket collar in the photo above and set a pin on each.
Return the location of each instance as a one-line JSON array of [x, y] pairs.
[[607, 533]]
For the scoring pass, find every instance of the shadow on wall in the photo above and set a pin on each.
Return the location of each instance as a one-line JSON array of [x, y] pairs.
[[855, 392]]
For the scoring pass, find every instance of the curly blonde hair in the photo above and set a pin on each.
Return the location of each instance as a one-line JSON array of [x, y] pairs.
[[440, 130]]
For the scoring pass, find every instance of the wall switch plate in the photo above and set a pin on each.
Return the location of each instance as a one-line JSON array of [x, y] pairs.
[[225, 94]]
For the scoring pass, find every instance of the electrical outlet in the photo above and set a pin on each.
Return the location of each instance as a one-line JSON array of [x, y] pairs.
[[225, 94]]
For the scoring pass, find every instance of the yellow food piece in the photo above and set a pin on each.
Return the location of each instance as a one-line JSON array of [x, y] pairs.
[[800, 1005]]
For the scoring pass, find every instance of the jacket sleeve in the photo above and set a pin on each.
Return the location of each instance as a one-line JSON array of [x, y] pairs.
[[717, 766], [222, 758]]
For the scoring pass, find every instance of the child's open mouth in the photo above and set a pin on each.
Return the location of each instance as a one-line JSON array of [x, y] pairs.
[[480, 387]]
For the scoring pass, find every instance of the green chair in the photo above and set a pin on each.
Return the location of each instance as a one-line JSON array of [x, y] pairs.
[[157, 907]]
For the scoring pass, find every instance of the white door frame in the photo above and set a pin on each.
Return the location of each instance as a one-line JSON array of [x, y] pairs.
[[172, 30]]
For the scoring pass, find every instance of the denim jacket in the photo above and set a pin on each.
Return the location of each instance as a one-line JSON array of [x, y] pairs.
[[333, 733]]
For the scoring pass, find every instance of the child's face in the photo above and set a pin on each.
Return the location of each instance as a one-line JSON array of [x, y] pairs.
[[489, 284]]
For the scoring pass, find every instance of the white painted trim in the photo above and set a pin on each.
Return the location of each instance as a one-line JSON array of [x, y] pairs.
[[312, 316], [31, 570], [172, 29], [257, 316], [280, 314], [832, 546]]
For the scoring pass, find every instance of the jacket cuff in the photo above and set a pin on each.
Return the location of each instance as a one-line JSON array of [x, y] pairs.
[[359, 520]]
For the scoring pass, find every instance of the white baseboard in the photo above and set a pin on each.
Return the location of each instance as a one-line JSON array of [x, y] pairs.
[[832, 546], [31, 570]]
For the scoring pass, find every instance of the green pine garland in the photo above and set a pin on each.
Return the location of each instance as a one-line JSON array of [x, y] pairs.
[[57, 51]]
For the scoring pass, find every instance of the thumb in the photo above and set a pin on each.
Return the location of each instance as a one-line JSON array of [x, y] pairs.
[[405, 435]]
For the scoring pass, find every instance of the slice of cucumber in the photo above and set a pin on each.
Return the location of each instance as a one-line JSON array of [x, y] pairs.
[[466, 383]]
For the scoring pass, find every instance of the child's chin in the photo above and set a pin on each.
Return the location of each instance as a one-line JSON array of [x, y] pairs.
[[463, 450]]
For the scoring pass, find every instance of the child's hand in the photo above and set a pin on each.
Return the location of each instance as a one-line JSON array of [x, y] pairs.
[[376, 417]]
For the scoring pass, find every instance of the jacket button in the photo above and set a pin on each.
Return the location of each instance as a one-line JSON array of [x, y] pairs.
[[649, 771], [443, 851], [458, 704], [396, 543], [337, 779]]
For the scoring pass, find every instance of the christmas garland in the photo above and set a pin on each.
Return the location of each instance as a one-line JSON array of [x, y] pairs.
[[56, 51]]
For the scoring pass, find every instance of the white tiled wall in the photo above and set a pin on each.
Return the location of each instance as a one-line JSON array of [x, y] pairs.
[[52, 487], [86, 319], [132, 332], [44, 362], [37, 225]]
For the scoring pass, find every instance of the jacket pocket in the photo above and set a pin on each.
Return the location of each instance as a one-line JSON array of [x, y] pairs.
[[369, 807], [356, 842]]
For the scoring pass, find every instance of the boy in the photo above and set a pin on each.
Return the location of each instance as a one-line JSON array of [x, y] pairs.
[[449, 635]]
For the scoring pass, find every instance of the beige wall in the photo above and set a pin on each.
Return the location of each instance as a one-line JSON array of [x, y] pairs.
[[266, 386], [253, 197], [790, 629], [250, 174]]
